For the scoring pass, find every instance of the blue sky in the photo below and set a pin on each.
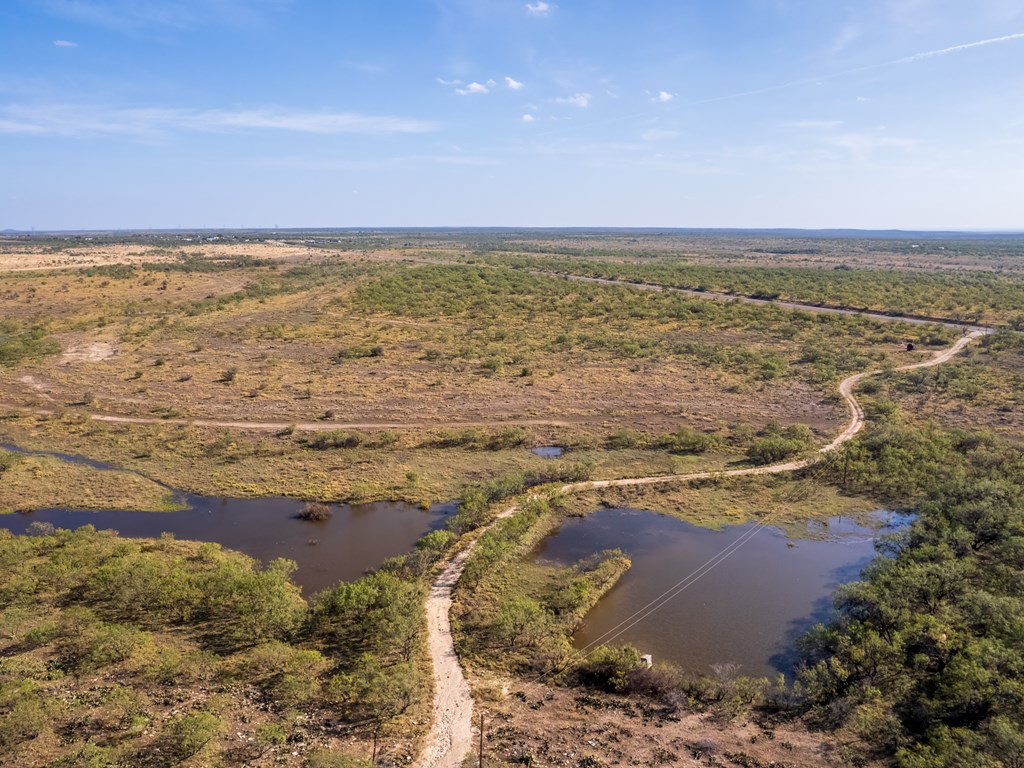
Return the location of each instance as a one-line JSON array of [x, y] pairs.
[[687, 113]]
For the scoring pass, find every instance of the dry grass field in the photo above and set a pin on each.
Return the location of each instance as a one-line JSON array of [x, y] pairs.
[[424, 367], [214, 365]]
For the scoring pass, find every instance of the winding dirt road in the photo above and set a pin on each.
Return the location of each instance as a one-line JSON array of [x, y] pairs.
[[451, 734]]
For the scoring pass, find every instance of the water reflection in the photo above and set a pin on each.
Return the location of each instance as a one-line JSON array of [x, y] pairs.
[[354, 539]]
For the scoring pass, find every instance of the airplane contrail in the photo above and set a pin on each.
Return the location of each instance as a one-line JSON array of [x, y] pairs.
[[953, 49], [815, 79], [867, 68]]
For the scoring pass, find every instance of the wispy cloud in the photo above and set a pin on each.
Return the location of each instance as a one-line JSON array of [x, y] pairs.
[[320, 163], [540, 8], [515, 85], [64, 44], [367, 67], [847, 35], [659, 134], [581, 100], [863, 145], [181, 14], [444, 82], [528, 118], [868, 68], [951, 49], [813, 125], [662, 96], [79, 120], [473, 88]]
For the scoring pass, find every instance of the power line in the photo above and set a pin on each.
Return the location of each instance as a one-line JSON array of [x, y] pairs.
[[669, 594]]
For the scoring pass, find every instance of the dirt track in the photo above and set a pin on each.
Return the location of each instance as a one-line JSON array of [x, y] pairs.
[[451, 734], [450, 737]]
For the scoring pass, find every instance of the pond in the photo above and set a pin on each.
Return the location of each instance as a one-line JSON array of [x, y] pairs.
[[548, 451], [355, 539], [742, 594]]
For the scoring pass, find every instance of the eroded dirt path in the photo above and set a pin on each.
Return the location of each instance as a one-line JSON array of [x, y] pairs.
[[451, 734]]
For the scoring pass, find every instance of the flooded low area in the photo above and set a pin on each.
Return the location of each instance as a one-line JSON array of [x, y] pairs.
[[355, 538], [548, 451], [761, 591], [69, 457]]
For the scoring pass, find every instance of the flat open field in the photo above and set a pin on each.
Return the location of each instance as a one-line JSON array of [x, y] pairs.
[[230, 354], [424, 367]]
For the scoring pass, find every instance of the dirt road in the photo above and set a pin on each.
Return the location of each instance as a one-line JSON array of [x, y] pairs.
[[451, 734]]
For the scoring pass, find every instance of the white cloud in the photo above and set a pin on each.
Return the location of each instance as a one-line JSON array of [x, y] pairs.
[[515, 85], [81, 120], [179, 14], [658, 134], [846, 35], [321, 163], [862, 145], [581, 100], [442, 81], [662, 96], [528, 118], [473, 88], [540, 8], [366, 67], [65, 44], [814, 125], [490, 83]]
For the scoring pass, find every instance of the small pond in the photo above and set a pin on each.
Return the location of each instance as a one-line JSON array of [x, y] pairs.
[[355, 539], [748, 609], [548, 451]]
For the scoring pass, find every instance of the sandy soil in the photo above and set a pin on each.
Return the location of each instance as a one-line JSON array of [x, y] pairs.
[[89, 353], [25, 256], [541, 726]]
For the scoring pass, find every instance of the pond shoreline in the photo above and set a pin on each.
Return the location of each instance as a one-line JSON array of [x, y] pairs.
[[353, 539]]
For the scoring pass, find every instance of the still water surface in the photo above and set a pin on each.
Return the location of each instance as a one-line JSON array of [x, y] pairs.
[[356, 538], [747, 610]]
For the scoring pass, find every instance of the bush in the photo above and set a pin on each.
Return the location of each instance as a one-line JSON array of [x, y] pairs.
[[773, 448], [338, 438], [626, 438], [322, 758], [313, 510], [186, 735], [509, 437], [609, 669], [358, 353], [452, 438], [688, 440], [17, 346]]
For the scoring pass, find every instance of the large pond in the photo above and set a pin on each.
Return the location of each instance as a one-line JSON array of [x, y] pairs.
[[355, 539], [761, 591]]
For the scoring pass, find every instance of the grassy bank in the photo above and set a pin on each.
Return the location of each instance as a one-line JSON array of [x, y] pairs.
[[37, 482]]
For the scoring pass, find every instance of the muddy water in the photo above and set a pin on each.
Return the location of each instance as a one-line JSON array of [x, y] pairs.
[[747, 610], [355, 539]]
